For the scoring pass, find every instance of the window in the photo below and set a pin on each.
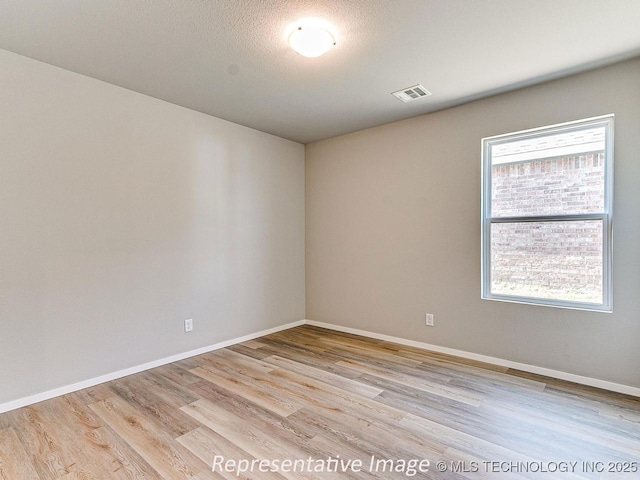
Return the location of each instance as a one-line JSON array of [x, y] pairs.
[[546, 215]]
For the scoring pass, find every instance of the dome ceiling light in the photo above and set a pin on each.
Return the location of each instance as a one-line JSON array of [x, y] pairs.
[[311, 37]]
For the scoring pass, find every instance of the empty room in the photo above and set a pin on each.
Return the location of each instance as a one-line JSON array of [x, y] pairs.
[[319, 239]]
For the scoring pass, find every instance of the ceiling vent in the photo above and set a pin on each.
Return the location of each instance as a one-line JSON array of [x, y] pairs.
[[410, 94]]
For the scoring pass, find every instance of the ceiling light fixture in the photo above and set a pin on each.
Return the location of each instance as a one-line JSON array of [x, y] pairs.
[[311, 37]]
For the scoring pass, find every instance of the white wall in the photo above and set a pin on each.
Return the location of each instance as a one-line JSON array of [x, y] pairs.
[[393, 231], [122, 215]]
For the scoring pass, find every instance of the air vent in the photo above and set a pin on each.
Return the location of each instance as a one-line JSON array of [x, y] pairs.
[[410, 94]]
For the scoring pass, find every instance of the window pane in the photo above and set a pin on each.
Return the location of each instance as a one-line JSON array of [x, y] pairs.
[[555, 174], [549, 260]]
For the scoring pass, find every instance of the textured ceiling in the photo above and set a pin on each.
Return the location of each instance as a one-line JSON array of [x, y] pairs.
[[230, 58]]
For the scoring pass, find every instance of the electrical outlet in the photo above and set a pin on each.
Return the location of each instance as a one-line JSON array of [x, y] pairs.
[[188, 325], [429, 319]]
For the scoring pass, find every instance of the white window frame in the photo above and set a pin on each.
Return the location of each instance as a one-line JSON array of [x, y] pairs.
[[605, 216]]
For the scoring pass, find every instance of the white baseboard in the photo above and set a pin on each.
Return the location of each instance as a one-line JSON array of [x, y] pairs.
[[547, 372], [56, 392], [592, 382]]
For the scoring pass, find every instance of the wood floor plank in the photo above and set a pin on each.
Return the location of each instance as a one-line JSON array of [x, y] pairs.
[[249, 352], [64, 437], [297, 351], [209, 475], [319, 332], [170, 460], [125, 462], [424, 355], [176, 374], [5, 421], [207, 444], [315, 394], [97, 449], [137, 394], [253, 344], [450, 413], [49, 441], [333, 379], [263, 394], [14, 461], [256, 442], [308, 392], [415, 381], [376, 440], [483, 375], [586, 425], [335, 447], [93, 394], [43, 438], [239, 361], [304, 391], [379, 354], [467, 443]]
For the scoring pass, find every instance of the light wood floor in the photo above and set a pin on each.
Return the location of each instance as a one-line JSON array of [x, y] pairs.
[[312, 395]]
